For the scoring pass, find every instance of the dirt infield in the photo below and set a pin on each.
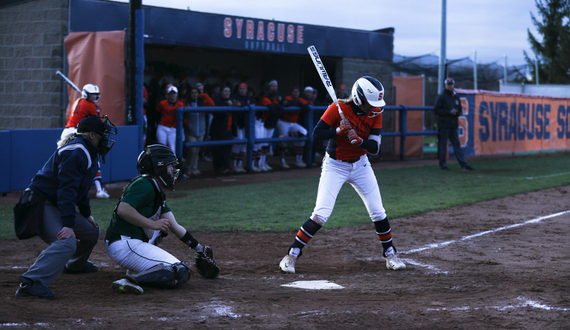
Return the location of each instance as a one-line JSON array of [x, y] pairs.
[[500, 264]]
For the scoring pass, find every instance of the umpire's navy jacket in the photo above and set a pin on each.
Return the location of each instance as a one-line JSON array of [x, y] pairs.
[[444, 103], [66, 178]]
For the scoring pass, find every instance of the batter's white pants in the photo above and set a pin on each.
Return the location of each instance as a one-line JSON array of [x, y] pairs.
[[136, 255], [167, 136], [334, 174]]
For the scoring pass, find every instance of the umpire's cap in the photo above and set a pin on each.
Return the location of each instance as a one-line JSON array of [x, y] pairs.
[[91, 124]]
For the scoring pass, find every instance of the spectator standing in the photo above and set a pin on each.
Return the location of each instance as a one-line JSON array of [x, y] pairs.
[[166, 130], [264, 128], [340, 94], [221, 129], [288, 126], [194, 130], [241, 99], [448, 109]]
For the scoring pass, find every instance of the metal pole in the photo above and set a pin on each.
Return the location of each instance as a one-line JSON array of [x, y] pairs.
[[536, 69], [475, 70], [505, 79], [442, 56]]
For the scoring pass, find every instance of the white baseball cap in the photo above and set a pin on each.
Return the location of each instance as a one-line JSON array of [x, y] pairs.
[[172, 89]]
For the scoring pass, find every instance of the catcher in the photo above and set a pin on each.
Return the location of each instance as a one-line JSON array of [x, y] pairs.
[[139, 222]]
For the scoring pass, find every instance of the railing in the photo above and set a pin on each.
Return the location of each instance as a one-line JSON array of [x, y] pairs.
[[251, 140]]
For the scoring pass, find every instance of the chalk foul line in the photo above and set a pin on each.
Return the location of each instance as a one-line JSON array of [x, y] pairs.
[[465, 238]]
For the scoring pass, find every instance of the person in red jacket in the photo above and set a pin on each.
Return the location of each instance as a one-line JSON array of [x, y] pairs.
[[86, 105], [166, 130]]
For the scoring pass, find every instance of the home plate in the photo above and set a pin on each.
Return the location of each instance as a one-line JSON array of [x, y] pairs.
[[314, 285]]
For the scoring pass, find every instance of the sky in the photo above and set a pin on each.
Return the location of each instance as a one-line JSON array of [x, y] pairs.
[[492, 28]]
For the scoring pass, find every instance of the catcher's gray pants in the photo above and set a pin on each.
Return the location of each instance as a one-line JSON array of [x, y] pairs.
[[72, 251]]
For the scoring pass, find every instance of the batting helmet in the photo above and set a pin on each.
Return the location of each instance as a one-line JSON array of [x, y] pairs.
[[370, 90], [90, 89], [159, 160]]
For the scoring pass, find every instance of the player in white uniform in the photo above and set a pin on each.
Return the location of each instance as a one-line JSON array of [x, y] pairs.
[[346, 161]]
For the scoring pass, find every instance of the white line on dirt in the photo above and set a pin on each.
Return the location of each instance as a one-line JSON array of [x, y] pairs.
[[525, 303], [465, 238], [430, 267]]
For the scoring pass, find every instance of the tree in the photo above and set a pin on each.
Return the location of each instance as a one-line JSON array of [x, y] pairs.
[[553, 53]]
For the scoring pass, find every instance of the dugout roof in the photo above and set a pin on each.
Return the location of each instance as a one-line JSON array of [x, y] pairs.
[[189, 28]]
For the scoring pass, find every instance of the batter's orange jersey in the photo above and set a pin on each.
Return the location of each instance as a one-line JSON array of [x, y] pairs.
[[82, 108], [361, 124]]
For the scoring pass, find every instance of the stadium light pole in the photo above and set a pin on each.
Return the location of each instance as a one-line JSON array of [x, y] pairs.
[[442, 56], [475, 70]]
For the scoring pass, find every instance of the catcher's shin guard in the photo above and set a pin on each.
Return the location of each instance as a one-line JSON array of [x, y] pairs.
[[163, 276]]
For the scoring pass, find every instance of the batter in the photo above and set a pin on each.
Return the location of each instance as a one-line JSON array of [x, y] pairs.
[[346, 161]]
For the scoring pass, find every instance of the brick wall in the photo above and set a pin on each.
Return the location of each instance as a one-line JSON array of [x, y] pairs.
[[31, 51]]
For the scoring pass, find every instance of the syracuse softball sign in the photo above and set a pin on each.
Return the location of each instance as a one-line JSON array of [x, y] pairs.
[[498, 123]]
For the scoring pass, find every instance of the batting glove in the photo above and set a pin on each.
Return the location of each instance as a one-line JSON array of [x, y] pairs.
[[354, 138], [344, 126]]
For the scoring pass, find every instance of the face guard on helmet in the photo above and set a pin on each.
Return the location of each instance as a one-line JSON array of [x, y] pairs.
[[159, 160], [101, 127], [105, 144], [368, 90], [91, 90]]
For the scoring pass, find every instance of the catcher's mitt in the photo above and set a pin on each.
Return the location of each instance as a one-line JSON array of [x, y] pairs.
[[206, 265]]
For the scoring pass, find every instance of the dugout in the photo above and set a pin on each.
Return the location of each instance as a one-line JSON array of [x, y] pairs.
[[179, 45], [183, 46]]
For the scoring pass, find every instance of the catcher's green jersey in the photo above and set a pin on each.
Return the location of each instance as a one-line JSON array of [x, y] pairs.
[[141, 194]]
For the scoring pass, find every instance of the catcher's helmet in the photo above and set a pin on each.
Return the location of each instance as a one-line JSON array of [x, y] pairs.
[[369, 90], [91, 89], [159, 160]]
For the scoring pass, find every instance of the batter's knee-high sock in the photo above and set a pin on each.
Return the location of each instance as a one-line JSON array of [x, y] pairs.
[[304, 235], [384, 233]]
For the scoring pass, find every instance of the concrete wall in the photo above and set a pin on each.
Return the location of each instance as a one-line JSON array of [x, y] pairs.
[[31, 51]]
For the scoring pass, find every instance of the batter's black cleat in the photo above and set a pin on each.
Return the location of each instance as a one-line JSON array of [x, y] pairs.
[[30, 289], [467, 168], [89, 268]]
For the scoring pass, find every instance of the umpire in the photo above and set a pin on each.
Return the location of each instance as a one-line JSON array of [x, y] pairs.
[[48, 208], [448, 109]]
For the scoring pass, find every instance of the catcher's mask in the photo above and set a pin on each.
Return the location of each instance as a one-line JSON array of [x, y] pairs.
[[159, 160], [103, 128]]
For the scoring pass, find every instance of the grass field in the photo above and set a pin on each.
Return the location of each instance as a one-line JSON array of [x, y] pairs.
[[285, 205]]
